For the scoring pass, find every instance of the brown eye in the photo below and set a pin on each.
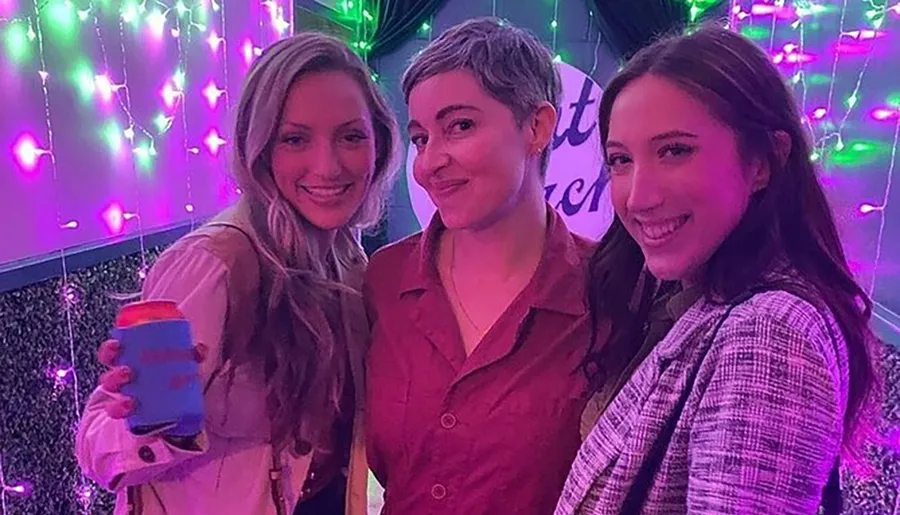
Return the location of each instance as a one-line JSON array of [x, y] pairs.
[[462, 125], [676, 150]]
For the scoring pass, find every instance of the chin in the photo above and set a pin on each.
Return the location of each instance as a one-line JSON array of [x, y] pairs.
[[666, 269], [329, 223], [325, 219], [464, 217]]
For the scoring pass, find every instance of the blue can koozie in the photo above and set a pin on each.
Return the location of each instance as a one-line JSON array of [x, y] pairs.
[[157, 346]]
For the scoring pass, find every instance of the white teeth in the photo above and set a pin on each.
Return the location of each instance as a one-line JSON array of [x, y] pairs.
[[326, 191], [660, 230]]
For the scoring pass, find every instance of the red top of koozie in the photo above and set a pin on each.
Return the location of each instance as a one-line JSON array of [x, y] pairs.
[[145, 311]]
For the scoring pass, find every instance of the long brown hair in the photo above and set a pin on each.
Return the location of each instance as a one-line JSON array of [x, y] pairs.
[[790, 218], [303, 362]]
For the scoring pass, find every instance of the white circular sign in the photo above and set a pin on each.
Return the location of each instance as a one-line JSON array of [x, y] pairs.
[[575, 185]]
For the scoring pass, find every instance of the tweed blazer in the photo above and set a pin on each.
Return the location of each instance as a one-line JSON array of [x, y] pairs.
[[735, 411]]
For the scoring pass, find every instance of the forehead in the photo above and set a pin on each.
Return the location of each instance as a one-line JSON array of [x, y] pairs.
[[457, 87], [325, 97], [652, 105]]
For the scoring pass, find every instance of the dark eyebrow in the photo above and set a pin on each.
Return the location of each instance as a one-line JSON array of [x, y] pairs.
[[673, 134], [443, 113], [659, 137]]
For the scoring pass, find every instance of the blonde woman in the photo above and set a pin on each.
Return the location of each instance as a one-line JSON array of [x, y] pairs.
[[270, 288]]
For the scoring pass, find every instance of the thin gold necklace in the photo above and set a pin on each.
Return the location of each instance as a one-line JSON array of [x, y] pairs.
[[458, 300]]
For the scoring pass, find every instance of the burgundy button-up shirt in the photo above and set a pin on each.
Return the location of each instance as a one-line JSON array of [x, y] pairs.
[[494, 432]]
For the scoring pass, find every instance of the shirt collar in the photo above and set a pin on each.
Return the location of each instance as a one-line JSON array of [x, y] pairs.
[[559, 280]]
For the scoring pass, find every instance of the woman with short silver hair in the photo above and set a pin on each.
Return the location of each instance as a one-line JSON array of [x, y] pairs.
[[479, 323]]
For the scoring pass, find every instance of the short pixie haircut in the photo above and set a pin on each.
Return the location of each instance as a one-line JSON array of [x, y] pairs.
[[510, 63]]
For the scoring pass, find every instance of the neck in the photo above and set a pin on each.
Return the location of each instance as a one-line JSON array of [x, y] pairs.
[[321, 241], [510, 244]]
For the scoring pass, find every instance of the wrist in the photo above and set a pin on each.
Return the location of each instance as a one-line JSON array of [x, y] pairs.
[[188, 443]]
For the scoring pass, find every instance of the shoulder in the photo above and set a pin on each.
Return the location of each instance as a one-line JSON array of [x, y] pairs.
[[185, 269], [206, 254], [778, 330], [386, 264], [783, 311], [188, 253], [583, 247]]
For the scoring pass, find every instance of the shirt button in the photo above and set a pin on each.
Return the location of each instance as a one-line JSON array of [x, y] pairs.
[[438, 491], [146, 454], [448, 421]]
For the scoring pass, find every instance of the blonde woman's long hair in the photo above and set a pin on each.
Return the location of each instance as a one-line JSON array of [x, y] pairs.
[[305, 361]]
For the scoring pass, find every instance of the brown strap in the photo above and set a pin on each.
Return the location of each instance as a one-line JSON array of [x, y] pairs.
[[133, 500], [275, 484]]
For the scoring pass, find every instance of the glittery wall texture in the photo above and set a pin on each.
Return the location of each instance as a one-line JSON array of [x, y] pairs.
[[38, 417]]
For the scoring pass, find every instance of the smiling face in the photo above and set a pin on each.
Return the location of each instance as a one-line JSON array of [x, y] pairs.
[[678, 182], [323, 156], [473, 159]]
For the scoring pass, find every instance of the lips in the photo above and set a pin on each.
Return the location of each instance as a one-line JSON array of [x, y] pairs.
[[446, 188], [656, 232], [325, 193]]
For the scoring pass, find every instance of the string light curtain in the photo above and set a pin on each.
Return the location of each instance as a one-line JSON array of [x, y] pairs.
[[115, 117], [629, 25], [398, 20]]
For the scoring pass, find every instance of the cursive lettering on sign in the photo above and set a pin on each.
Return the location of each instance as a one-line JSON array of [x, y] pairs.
[[573, 134], [575, 195]]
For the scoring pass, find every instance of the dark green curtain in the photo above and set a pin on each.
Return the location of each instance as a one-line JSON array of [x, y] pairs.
[[398, 20], [629, 25]]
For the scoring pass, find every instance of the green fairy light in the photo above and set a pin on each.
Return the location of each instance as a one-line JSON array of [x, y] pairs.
[[852, 100], [144, 154], [163, 123], [755, 32], [697, 8], [554, 24], [425, 27], [131, 13], [893, 99], [17, 42], [818, 79], [805, 8], [62, 22], [857, 153], [178, 79], [199, 15], [83, 77], [557, 58], [112, 135]]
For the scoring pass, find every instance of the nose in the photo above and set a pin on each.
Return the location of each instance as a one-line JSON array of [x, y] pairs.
[[646, 189], [430, 159], [325, 161]]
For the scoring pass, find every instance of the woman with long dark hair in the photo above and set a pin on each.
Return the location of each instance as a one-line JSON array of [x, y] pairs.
[[765, 372]]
